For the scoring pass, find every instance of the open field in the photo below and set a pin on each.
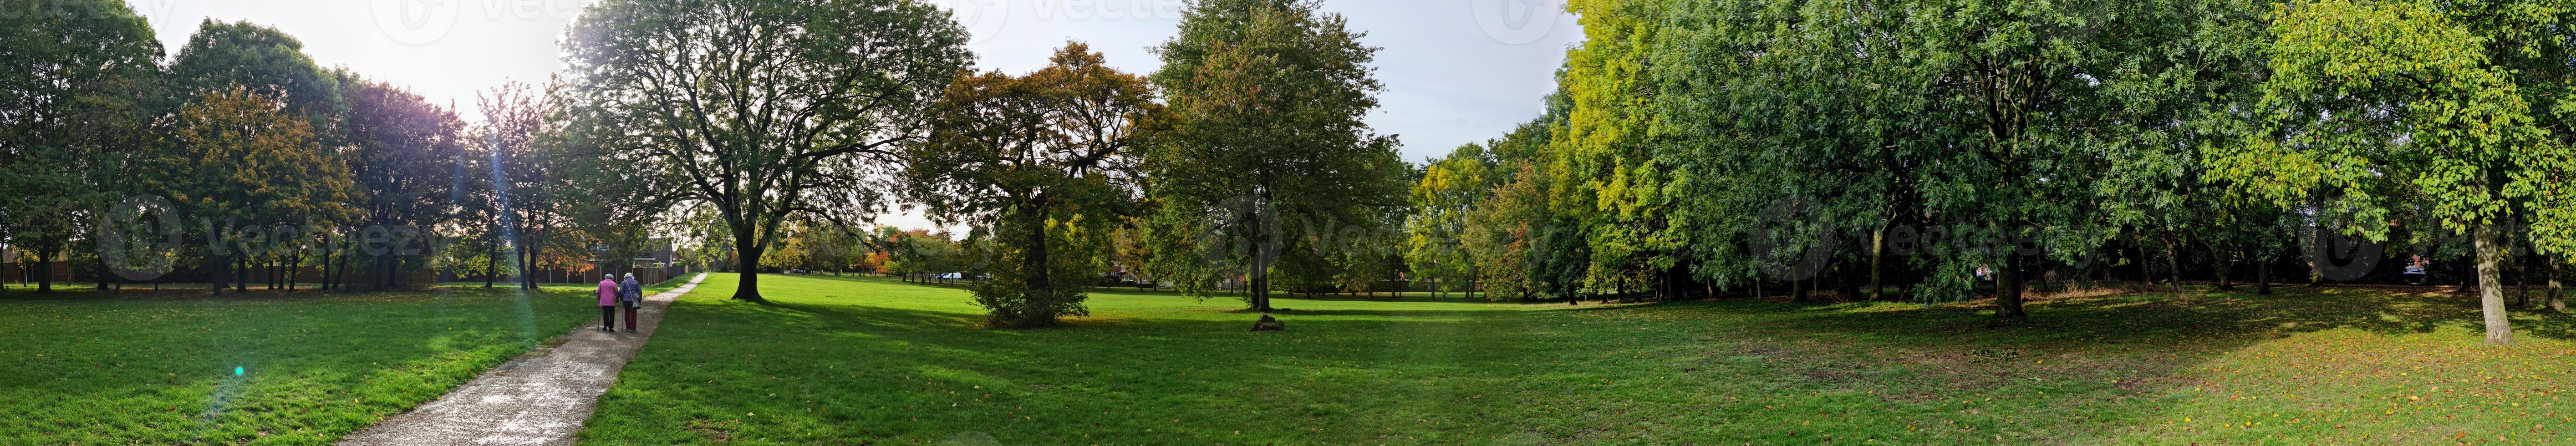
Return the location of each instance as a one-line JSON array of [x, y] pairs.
[[142, 368], [863, 360], [868, 361]]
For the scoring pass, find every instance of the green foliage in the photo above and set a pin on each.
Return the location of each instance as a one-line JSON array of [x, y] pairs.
[[1006, 283], [920, 253], [77, 109], [1042, 165], [1604, 174], [2374, 110], [1268, 146], [762, 109], [1442, 203], [222, 56], [1502, 236], [243, 161], [404, 158]]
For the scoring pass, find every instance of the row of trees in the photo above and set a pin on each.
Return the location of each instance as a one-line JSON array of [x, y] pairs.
[[261, 158], [1712, 147], [782, 120], [764, 128], [1694, 148]]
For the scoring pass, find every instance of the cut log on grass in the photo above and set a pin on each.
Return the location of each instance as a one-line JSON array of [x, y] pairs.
[[1268, 323]]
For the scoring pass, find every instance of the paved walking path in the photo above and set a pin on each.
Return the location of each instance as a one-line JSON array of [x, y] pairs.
[[540, 398]]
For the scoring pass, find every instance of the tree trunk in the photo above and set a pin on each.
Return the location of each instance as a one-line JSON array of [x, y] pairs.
[[1260, 283], [527, 259], [326, 260], [2557, 293], [2317, 267], [749, 291], [1846, 285], [1260, 291], [105, 275], [340, 274], [214, 268], [1036, 261], [2225, 262], [2173, 268], [2521, 279], [2521, 283], [44, 273], [2008, 291], [2491, 298], [2146, 278], [1877, 261], [2263, 275], [1797, 290], [2469, 281], [491, 260]]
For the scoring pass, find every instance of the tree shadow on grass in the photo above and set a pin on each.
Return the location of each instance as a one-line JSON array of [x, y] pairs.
[[890, 372], [2161, 319], [1292, 313], [2115, 358], [834, 371]]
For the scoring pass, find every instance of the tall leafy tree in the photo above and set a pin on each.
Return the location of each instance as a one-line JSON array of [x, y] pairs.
[[1507, 224], [522, 192], [2153, 180], [269, 63], [1043, 163], [764, 108], [225, 58], [404, 154], [1606, 175], [245, 162], [1268, 98], [2376, 109], [1442, 202], [81, 101]]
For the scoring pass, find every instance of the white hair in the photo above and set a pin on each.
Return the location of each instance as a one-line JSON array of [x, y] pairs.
[[630, 275]]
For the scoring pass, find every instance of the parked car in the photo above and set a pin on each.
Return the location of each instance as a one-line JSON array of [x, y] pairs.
[[796, 271]]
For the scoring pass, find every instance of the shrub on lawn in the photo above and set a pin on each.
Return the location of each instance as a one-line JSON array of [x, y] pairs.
[[1016, 292]]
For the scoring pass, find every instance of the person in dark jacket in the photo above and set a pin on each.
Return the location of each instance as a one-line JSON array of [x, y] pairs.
[[633, 296]]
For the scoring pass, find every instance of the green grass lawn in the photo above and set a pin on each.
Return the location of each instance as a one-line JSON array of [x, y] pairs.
[[870, 361], [142, 368]]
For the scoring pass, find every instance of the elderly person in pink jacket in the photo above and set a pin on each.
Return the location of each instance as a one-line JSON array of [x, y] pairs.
[[608, 304]]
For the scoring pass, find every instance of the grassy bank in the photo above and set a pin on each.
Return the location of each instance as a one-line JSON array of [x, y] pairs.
[[868, 361], [142, 368]]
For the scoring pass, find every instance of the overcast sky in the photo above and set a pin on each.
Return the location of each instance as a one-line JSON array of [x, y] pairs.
[[1456, 71]]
